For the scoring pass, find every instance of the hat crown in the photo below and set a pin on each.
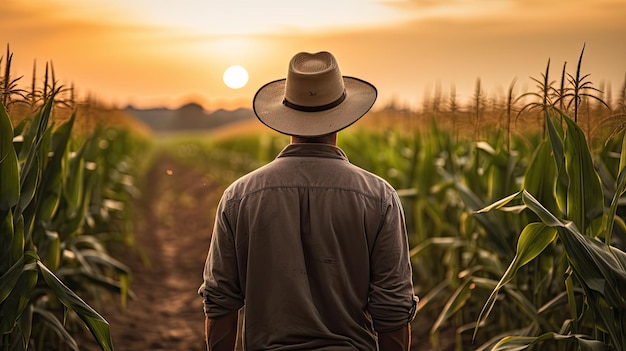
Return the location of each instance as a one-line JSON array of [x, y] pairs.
[[314, 99], [313, 80]]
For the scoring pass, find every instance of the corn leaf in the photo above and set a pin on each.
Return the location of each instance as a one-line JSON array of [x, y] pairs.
[[28, 189], [98, 326], [29, 137], [458, 299], [601, 267], [584, 193], [53, 174], [518, 343], [526, 307], [557, 135], [532, 241], [18, 138], [619, 191], [17, 300], [50, 251], [33, 155], [493, 224], [9, 176], [6, 238], [597, 264], [540, 177], [9, 279], [34, 139], [546, 216], [445, 241], [24, 330], [500, 203], [73, 187], [17, 246], [56, 326]]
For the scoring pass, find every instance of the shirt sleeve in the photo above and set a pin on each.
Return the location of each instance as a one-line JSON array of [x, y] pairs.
[[392, 302], [221, 290]]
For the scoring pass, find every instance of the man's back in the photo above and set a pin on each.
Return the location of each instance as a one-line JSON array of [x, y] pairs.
[[316, 247]]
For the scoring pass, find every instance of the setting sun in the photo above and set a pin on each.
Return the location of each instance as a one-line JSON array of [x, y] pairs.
[[235, 77]]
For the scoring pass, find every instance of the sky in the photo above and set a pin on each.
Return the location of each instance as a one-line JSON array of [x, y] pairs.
[[165, 53]]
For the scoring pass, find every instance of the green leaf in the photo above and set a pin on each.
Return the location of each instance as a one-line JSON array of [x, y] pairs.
[[54, 173], [34, 139], [50, 199], [540, 177], [619, 191], [493, 224], [599, 266], [18, 138], [444, 241], [51, 250], [458, 299], [17, 249], [98, 326], [571, 296], [9, 279], [556, 134], [9, 174], [6, 132], [55, 325], [585, 199], [6, 238], [546, 216], [17, 300], [25, 328], [532, 241], [622, 156], [517, 343], [73, 183], [500, 203], [28, 189]]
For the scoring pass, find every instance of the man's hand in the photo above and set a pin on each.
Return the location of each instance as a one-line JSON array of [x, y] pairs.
[[221, 333]]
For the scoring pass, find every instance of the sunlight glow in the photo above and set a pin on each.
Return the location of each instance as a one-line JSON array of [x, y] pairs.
[[256, 17], [158, 52], [243, 17], [253, 16], [235, 77]]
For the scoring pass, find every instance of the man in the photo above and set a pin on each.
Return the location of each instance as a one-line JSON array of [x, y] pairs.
[[314, 247]]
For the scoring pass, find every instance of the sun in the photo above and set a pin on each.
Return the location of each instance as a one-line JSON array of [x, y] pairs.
[[235, 77]]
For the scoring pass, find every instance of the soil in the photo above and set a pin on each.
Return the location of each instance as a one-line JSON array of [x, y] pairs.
[[173, 222]]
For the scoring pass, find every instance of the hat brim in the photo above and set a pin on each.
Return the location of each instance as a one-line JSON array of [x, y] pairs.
[[269, 108]]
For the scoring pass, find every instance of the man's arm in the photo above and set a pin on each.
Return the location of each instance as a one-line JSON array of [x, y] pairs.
[[396, 340], [221, 333]]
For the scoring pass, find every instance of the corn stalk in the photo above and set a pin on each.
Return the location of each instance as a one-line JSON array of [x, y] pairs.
[[45, 199], [576, 220]]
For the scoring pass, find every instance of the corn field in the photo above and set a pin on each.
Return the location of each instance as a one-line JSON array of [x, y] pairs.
[[517, 238], [517, 235], [63, 197]]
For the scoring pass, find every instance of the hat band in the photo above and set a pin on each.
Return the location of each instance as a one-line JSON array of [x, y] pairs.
[[315, 108]]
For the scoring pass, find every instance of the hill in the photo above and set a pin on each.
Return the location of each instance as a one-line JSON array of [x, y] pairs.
[[188, 117]]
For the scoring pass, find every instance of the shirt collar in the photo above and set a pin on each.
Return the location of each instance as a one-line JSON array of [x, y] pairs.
[[313, 150]]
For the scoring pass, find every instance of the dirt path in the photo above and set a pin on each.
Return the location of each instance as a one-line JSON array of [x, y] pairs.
[[172, 228]]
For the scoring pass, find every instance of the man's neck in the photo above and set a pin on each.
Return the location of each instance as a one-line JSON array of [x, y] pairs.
[[330, 139]]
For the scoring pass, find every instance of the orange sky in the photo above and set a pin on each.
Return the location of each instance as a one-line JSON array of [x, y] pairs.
[[164, 53]]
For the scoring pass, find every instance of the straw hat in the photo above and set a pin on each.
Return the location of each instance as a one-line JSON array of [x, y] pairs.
[[314, 99]]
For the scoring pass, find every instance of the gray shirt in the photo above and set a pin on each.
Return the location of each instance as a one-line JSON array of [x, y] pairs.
[[316, 249]]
